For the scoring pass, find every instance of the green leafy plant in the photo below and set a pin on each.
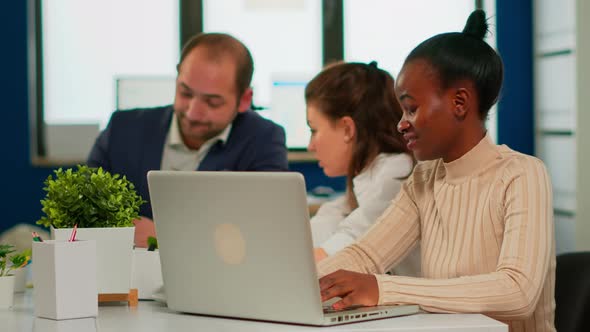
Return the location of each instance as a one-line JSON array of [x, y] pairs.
[[89, 197], [152, 243], [17, 260]]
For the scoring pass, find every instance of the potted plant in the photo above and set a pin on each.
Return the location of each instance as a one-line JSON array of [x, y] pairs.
[[147, 270], [103, 207], [10, 261]]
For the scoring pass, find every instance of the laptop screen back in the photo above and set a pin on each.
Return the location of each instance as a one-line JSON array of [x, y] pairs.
[[236, 244]]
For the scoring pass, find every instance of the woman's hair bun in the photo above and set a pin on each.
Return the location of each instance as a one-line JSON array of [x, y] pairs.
[[476, 25]]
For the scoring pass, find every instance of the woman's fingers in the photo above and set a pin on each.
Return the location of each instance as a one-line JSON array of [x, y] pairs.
[[354, 289]]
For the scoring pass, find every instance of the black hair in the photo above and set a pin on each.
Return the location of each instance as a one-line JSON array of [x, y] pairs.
[[456, 56]]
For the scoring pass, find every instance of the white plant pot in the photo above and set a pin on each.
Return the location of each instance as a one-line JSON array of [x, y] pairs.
[[114, 251], [147, 273], [20, 278], [6, 292]]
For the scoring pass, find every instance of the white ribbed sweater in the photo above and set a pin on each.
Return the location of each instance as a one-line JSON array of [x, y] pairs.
[[485, 226]]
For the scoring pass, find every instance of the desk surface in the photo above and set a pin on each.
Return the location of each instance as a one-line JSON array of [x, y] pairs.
[[153, 316]]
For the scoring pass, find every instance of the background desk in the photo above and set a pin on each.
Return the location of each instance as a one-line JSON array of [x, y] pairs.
[[153, 316]]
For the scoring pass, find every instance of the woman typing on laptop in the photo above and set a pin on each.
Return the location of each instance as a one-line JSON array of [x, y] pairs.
[[481, 212], [352, 113]]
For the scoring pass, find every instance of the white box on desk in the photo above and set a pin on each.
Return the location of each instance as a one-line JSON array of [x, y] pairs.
[[21, 277], [67, 325], [146, 273], [64, 279]]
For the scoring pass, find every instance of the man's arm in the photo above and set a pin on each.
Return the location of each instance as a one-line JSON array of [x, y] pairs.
[[269, 152], [98, 156]]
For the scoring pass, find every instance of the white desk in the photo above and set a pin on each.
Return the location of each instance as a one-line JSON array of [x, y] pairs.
[[153, 316]]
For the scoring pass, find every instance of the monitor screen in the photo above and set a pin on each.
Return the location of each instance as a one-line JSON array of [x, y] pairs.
[[287, 108], [144, 91]]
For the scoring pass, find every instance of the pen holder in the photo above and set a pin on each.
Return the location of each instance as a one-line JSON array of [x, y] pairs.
[[64, 279]]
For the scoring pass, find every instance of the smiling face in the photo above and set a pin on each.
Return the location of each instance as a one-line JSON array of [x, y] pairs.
[[429, 124], [206, 99], [331, 141]]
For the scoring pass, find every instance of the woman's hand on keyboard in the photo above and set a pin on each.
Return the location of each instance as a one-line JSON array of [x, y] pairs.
[[354, 289]]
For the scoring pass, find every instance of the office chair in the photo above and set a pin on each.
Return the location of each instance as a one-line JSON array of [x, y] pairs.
[[572, 292]]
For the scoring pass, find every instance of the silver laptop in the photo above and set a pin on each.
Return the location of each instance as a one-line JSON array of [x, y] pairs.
[[238, 244]]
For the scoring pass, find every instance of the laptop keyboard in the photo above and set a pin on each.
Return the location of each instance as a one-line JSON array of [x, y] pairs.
[[328, 308]]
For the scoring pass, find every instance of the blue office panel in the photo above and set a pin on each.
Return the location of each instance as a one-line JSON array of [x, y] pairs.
[[516, 121]]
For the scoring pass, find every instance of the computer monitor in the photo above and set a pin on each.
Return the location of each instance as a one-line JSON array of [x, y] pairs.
[[288, 109], [144, 91]]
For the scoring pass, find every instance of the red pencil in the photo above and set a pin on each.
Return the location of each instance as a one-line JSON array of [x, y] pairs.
[[73, 235]]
